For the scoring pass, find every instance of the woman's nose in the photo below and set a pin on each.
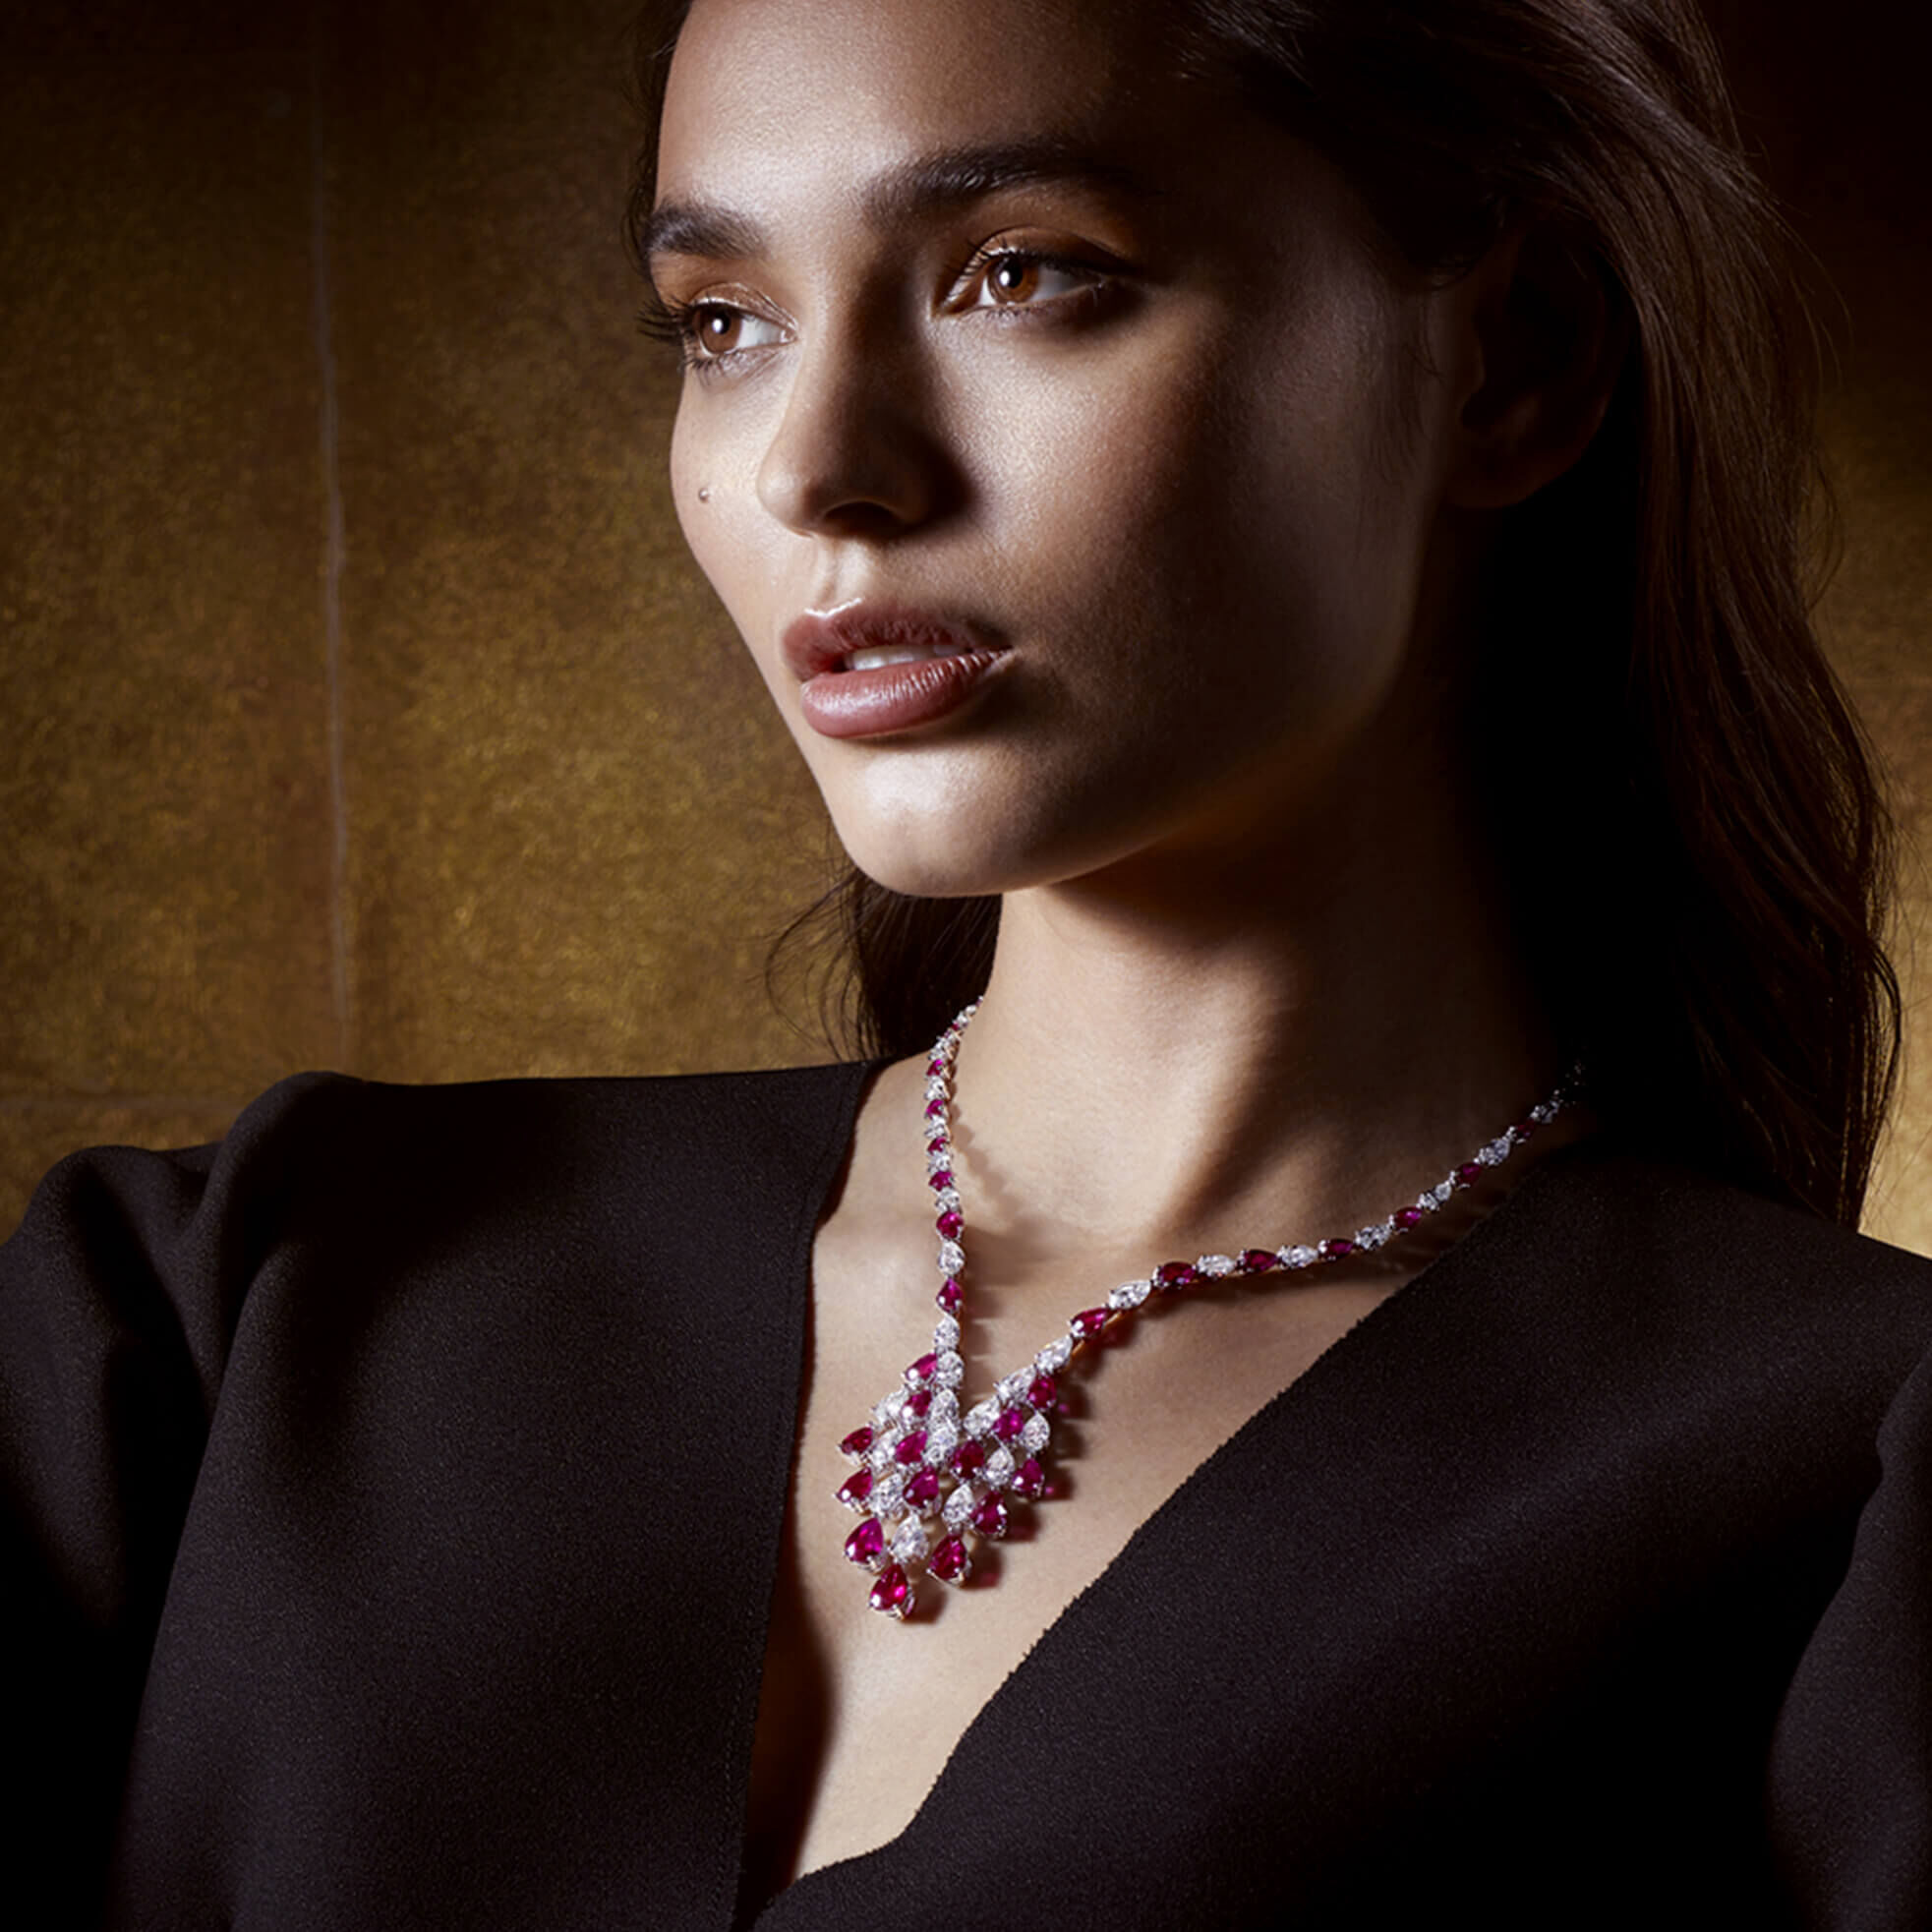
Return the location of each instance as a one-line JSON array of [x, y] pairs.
[[855, 452]]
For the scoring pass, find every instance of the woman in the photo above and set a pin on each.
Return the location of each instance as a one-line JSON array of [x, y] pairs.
[[1278, 532]]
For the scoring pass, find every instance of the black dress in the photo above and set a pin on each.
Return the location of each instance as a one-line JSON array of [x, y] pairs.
[[392, 1500]]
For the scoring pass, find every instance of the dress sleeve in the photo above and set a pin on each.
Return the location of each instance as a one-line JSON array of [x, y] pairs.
[[1851, 1759], [119, 1297]]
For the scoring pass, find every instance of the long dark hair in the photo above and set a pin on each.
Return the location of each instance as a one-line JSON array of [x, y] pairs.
[[1686, 806]]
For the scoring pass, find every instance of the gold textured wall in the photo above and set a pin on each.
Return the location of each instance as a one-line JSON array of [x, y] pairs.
[[362, 709]]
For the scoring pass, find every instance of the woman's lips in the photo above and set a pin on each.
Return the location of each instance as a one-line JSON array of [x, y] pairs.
[[891, 697], [865, 673]]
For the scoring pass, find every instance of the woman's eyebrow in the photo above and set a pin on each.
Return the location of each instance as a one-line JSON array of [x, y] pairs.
[[700, 229], [949, 178], [955, 175]]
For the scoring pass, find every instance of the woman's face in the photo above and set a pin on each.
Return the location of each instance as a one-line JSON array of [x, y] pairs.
[[1062, 394]]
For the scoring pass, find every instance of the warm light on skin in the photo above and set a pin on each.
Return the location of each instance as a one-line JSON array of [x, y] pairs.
[[1168, 478], [1218, 487], [1205, 476]]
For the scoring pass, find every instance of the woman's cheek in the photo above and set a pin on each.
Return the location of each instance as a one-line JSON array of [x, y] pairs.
[[730, 537], [1076, 474], [687, 469]]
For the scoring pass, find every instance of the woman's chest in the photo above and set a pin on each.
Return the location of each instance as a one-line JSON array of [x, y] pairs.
[[1394, 1636], [860, 1711]]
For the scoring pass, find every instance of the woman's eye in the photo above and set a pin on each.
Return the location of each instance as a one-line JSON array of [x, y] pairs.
[[715, 330], [1015, 280]]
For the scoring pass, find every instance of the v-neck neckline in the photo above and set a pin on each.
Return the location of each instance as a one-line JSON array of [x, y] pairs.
[[1339, 1359]]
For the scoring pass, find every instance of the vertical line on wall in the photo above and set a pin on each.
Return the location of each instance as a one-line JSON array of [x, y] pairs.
[[333, 550]]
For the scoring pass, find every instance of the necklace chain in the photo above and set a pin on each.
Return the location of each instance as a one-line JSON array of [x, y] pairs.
[[929, 1476]]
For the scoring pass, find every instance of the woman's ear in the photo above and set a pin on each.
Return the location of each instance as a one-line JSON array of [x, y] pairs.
[[1546, 336]]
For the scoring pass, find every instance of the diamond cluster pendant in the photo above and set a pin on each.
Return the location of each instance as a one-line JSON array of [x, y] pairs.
[[932, 1481]]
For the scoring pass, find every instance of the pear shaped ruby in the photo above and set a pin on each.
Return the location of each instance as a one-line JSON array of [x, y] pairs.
[[970, 1457], [1089, 1322], [1260, 1261], [1175, 1274], [940, 1179], [950, 1225], [866, 1543], [935, 1109], [922, 1370], [1468, 1174], [918, 1402], [856, 1487], [989, 1519], [1028, 1480], [922, 1492], [857, 1442], [950, 1295], [1043, 1392], [1008, 1423], [1336, 1251], [937, 1145], [891, 1593], [1407, 1217], [910, 1448], [950, 1562]]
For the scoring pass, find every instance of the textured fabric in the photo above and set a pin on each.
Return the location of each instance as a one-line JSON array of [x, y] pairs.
[[393, 1499]]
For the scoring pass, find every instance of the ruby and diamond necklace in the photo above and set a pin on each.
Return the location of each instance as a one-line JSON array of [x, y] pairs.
[[930, 1475]]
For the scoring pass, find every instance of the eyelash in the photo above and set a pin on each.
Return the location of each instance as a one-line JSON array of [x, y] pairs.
[[985, 261], [665, 319]]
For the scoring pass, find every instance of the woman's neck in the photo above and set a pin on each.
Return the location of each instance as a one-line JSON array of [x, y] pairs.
[[1288, 1033]]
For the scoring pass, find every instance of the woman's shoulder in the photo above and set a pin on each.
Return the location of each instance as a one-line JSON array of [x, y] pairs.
[[1748, 1349], [1661, 1233], [366, 1180], [319, 1129]]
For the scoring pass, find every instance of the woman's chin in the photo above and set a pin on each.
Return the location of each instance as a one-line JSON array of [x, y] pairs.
[[927, 877], [988, 849], [909, 844], [955, 860]]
